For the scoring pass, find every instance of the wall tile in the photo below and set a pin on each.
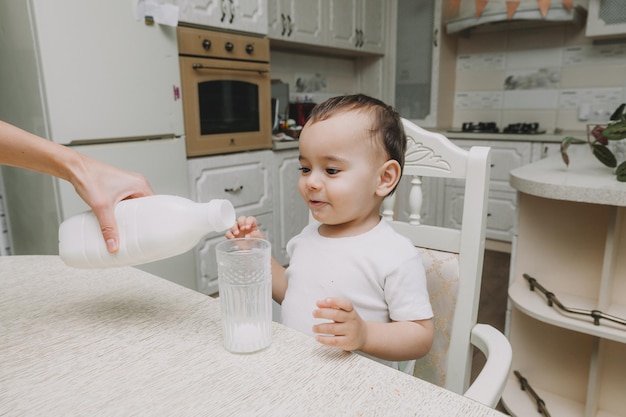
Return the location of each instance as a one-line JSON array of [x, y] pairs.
[[479, 80], [593, 76], [546, 75]]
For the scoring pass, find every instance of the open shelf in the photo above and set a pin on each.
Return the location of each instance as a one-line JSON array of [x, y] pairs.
[[534, 304], [575, 374], [576, 251]]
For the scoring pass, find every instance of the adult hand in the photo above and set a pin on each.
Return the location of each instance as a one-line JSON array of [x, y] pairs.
[[102, 186], [347, 329]]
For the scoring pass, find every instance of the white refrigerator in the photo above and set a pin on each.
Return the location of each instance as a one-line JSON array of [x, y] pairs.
[[94, 76]]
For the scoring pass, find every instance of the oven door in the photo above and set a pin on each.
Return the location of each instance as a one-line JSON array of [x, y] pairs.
[[226, 105]]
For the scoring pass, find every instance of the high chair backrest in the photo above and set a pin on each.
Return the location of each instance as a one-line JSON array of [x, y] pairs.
[[453, 259]]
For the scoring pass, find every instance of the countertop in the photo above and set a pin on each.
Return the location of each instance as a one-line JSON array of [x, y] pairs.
[[585, 180], [124, 342], [284, 145], [545, 137]]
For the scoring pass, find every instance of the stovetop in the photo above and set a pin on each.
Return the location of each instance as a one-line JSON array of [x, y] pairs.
[[492, 127]]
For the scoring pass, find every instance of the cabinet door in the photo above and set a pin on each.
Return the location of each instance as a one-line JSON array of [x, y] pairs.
[[290, 212], [417, 60], [505, 156], [202, 12], [296, 20], [500, 212], [275, 22], [205, 255], [243, 15], [248, 16], [245, 179], [357, 24], [501, 206], [606, 19], [373, 25], [542, 150], [342, 24]]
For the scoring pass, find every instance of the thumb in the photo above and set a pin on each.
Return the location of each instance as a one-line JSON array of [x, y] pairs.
[[108, 227]]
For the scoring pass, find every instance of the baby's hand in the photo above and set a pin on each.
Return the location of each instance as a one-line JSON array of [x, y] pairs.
[[347, 331], [245, 226]]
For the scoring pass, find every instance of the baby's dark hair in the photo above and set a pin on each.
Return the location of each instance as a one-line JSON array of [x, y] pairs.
[[386, 123]]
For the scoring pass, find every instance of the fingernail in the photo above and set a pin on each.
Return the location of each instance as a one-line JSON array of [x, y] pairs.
[[111, 245]]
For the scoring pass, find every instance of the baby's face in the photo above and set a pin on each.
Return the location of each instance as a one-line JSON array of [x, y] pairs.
[[340, 171]]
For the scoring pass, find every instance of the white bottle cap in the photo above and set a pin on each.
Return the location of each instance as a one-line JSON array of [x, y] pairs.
[[221, 215]]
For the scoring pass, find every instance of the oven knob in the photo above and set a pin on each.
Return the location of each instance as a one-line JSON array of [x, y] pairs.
[[206, 44], [249, 48], [228, 46]]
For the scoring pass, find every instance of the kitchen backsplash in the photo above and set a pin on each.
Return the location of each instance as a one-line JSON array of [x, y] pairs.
[[314, 78], [554, 76]]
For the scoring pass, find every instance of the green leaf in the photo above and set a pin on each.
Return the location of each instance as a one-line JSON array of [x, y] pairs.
[[615, 131], [604, 155], [621, 172], [619, 113]]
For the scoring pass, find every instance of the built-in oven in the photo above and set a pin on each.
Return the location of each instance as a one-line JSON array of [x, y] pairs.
[[225, 91]]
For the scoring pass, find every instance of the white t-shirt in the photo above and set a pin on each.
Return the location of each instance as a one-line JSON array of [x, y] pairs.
[[380, 271]]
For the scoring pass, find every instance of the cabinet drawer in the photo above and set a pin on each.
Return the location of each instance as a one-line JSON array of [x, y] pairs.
[[206, 260], [244, 178], [505, 156], [500, 212]]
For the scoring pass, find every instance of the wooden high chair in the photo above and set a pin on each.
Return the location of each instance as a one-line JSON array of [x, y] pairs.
[[453, 260]]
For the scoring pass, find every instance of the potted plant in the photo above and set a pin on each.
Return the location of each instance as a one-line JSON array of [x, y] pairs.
[[607, 143]]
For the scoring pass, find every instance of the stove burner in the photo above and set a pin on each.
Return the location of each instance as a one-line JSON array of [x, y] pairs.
[[481, 127], [523, 128]]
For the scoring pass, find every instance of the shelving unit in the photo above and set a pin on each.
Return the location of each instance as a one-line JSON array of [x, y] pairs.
[[571, 237]]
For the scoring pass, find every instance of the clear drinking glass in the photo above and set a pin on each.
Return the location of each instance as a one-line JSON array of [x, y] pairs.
[[245, 292]]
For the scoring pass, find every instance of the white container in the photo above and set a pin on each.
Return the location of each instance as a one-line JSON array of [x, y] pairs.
[[245, 287], [150, 228]]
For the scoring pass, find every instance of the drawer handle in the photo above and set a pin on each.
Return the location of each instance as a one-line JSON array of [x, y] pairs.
[[233, 190]]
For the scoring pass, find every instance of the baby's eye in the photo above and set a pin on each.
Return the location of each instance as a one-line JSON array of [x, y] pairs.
[[304, 170], [332, 171]]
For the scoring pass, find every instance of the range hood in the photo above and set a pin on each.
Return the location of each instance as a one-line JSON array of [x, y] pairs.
[[496, 15]]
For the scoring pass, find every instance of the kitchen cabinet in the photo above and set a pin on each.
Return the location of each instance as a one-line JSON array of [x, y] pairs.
[[246, 179], [570, 237], [357, 24], [425, 63], [295, 20], [349, 25], [443, 199], [540, 150], [606, 19], [290, 211], [241, 15], [505, 155]]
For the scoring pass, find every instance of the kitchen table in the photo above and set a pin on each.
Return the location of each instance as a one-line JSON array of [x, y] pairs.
[[124, 342]]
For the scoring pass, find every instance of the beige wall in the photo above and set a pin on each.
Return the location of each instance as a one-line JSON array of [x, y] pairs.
[[551, 72], [334, 75]]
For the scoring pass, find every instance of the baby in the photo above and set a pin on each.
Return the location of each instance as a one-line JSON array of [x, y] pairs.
[[352, 281]]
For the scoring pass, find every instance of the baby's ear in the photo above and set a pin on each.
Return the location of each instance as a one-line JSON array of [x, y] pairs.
[[390, 173]]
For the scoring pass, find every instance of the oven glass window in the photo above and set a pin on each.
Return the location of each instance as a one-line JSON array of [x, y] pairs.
[[228, 107]]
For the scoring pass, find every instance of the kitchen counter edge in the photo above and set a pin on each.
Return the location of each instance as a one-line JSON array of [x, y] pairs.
[[585, 180]]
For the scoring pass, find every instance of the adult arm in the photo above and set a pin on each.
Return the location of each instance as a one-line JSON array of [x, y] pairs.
[[100, 185]]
